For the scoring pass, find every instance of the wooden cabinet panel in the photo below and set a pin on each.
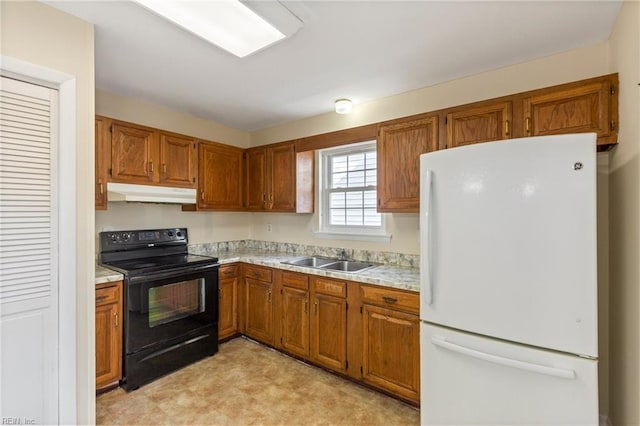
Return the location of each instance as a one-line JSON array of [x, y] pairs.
[[580, 109], [220, 177], [329, 332], [132, 154], [281, 181], [479, 123], [177, 161], [108, 327], [278, 179], [102, 161], [390, 298], [255, 179], [258, 311], [399, 147], [295, 321], [391, 352], [228, 301]]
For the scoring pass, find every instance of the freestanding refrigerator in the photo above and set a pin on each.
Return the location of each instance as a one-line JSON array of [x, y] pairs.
[[508, 283]]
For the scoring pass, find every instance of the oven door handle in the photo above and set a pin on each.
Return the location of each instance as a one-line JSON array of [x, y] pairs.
[[161, 275]]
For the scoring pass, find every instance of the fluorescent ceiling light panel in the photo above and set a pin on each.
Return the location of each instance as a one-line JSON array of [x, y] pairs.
[[228, 24]]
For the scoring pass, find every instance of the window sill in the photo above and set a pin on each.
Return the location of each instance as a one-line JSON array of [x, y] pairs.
[[379, 238]]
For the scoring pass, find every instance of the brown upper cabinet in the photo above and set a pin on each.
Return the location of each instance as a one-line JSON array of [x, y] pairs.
[[102, 161], [219, 177], [490, 122], [146, 156], [399, 147], [277, 179], [586, 107]]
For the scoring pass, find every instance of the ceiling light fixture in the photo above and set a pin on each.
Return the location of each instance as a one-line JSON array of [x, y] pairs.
[[344, 106], [230, 24]]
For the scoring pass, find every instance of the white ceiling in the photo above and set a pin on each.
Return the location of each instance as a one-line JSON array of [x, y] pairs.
[[362, 50]]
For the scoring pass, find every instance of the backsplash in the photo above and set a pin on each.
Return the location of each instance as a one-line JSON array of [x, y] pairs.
[[387, 258]]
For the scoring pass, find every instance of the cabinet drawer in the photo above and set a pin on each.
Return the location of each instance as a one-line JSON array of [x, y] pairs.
[[291, 279], [107, 295], [330, 287], [257, 273], [390, 298], [228, 271]]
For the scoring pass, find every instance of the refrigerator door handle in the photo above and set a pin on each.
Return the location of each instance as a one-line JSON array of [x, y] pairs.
[[425, 249], [522, 365]]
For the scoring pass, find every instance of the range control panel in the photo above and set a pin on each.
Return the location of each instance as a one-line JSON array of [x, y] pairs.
[[123, 240]]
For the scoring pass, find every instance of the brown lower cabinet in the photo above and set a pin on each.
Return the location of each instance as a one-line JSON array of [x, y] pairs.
[[228, 277], [258, 303], [329, 323], [365, 332], [108, 334]]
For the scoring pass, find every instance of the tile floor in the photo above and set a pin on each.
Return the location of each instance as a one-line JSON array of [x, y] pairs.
[[249, 384]]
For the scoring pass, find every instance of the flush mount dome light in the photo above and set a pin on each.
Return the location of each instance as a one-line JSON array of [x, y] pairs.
[[235, 27], [344, 106]]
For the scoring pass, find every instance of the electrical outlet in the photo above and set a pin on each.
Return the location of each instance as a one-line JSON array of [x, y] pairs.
[[269, 227]]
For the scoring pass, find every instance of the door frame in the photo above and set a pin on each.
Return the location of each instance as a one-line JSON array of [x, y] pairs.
[[65, 84]]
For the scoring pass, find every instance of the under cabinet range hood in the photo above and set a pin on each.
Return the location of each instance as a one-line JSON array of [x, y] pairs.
[[149, 194]]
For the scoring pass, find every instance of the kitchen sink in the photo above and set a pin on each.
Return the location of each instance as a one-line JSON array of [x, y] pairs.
[[312, 261], [331, 264], [348, 266]]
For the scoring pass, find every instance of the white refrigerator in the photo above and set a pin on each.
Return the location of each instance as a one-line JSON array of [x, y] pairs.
[[508, 283]]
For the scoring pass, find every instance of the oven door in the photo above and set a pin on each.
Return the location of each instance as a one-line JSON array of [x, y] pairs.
[[165, 306]]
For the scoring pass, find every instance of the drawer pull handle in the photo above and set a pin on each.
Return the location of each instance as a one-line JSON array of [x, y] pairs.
[[227, 273], [101, 298], [389, 299], [256, 274]]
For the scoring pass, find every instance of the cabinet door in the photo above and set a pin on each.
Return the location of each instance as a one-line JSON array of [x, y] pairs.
[[132, 154], [329, 332], [391, 352], [102, 161], [580, 109], [108, 336], [177, 161], [255, 179], [228, 306], [399, 147], [477, 124], [281, 194], [295, 321], [259, 311], [220, 177]]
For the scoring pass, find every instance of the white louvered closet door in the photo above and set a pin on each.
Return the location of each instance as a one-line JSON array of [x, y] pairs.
[[28, 253]]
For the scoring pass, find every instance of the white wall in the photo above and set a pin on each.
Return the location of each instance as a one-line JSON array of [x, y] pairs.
[[160, 117], [624, 213], [43, 36]]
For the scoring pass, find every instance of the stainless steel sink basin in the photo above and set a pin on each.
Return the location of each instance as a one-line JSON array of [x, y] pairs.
[[348, 266], [331, 264], [312, 261]]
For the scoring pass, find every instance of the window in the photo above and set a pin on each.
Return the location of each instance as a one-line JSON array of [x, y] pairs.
[[348, 192]]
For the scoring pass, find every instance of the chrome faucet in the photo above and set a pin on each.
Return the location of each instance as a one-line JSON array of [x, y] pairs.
[[343, 254]]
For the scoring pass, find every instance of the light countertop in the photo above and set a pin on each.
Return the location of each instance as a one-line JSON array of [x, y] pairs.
[[106, 275], [383, 275]]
